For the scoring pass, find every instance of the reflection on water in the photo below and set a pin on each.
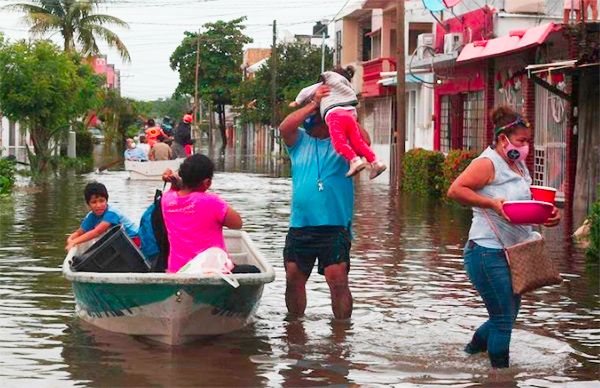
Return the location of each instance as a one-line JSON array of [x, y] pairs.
[[414, 307]]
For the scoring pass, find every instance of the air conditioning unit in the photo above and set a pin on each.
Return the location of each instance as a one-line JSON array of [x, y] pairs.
[[452, 42], [425, 45], [526, 6]]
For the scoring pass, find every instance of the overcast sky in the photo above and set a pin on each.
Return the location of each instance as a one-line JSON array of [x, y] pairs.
[[157, 26]]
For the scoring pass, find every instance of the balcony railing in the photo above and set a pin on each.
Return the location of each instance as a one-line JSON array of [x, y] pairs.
[[372, 73]]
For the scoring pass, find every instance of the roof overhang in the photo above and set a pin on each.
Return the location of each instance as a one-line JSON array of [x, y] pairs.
[[377, 4], [515, 41], [437, 61], [409, 79], [354, 14], [538, 73]]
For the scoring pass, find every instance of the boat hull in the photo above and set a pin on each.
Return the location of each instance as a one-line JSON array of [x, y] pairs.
[[151, 170], [171, 314], [172, 308]]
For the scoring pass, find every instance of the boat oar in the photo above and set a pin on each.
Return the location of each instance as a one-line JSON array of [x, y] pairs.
[[108, 165]]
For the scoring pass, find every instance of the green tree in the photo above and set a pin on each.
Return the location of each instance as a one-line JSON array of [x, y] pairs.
[[298, 65], [174, 107], [45, 90], [119, 115], [76, 22], [220, 57]]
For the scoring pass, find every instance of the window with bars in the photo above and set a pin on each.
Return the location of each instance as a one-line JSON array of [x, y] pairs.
[[473, 122], [382, 112], [377, 120], [445, 141], [550, 142]]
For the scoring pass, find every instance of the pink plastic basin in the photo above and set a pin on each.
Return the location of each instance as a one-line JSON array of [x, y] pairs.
[[543, 193], [528, 212]]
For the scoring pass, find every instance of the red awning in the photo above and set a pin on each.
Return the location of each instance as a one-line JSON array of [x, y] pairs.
[[515, 41]]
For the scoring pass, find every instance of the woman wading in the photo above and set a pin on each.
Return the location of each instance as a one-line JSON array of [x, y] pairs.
[[499, 174]]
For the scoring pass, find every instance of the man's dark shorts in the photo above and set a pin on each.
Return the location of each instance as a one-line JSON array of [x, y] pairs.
[[330, 244]]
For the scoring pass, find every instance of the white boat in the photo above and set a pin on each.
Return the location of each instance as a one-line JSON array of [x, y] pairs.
[[150, 170], [172, 308]]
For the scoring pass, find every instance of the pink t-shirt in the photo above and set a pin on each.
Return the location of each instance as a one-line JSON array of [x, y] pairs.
[[194, 223]]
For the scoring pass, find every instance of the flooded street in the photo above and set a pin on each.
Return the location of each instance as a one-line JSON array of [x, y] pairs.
[[414, 308]]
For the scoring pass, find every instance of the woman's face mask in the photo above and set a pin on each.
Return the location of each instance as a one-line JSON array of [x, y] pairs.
[[514, 153]]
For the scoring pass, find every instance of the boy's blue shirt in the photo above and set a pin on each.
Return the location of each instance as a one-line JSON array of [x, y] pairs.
[[112, 216]]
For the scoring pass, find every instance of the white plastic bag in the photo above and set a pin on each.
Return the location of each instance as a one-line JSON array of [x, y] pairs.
[[213, 261]]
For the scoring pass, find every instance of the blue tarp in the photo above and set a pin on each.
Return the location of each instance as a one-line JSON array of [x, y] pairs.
[[434, 5]]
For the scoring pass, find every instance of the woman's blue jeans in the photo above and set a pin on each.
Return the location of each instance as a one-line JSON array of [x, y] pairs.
[[488, 271]]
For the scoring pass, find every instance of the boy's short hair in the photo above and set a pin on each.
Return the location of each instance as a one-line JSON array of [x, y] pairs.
[[94, 189], [195, 169]]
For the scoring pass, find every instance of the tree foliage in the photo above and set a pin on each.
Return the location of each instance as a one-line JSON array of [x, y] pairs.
[[220, 58], [45, 90], [75, 21], [120, 115], [174, 107], [298, 65]]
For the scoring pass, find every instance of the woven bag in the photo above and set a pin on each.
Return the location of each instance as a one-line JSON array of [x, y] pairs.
[[530, 265]]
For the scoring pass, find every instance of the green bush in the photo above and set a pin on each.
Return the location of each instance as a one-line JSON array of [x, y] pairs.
[[84, 143], [422, 170], [7, 175], [455, 163], [593, 252]]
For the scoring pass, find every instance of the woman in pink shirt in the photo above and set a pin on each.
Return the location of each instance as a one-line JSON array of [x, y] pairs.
[[193, 217]]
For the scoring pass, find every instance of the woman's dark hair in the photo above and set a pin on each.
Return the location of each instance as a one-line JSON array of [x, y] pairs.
[[150, 122], [94, 188], [195, 169], [506, 121], [347, 72]]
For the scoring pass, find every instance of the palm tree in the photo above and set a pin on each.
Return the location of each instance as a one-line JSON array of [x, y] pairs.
[[75, 21]]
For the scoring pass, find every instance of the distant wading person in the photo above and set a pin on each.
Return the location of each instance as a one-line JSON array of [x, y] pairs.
[[321, 214], [182, 136], [499, 174]]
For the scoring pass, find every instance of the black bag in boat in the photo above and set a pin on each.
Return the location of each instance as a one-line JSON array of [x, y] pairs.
[[113, 252]]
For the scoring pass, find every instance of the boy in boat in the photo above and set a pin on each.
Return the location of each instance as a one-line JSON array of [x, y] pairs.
[[100, 218]]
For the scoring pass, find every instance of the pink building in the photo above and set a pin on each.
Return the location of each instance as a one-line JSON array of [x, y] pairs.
[[100, 66]]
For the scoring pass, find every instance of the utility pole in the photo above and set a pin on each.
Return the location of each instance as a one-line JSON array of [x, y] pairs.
[[273, 86], [323, 49], [196, 101], [400, 96]]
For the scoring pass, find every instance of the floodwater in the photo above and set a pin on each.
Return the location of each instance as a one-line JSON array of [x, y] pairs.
[[414, 308]]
